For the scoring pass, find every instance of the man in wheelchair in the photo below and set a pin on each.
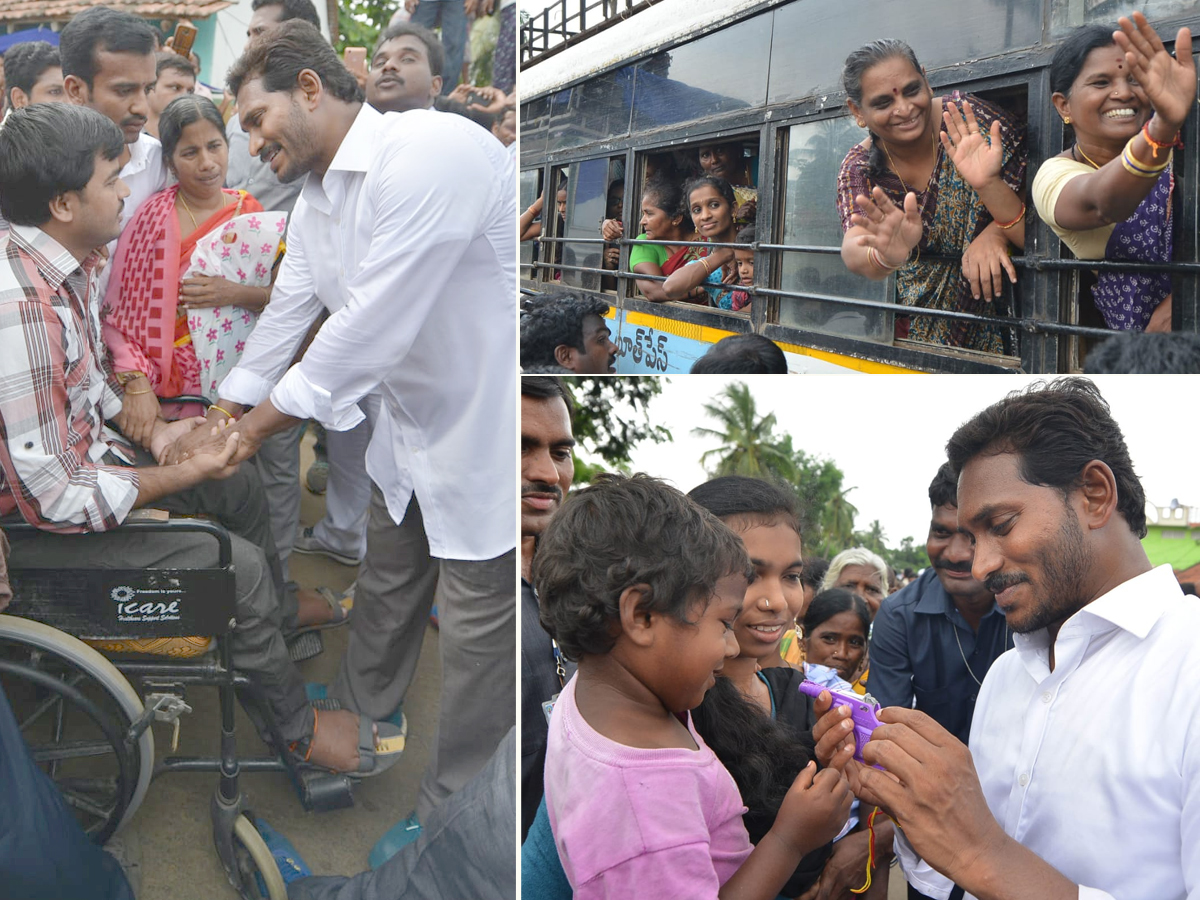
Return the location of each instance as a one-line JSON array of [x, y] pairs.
[[66, 469]]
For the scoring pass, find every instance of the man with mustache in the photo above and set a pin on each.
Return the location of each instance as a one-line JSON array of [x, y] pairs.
[[547, 469], [108, 65], [935, 639], [406, 69], [1083, 775]]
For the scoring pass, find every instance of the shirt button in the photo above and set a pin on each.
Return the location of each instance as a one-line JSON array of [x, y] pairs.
[[1047, 697], [1024, 779]]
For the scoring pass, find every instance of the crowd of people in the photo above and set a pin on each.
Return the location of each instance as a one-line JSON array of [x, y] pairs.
[[939, 192], [185, 284], [667, 750]]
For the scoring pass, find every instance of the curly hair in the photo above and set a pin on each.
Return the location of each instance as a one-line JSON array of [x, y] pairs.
[[1055, 428], [622, 531], [551, 320]]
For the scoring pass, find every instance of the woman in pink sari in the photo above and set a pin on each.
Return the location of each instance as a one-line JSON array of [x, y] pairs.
[[153, 299]]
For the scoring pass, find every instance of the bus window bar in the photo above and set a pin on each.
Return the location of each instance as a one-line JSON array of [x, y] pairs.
[[1030, 326], [1035, 263]]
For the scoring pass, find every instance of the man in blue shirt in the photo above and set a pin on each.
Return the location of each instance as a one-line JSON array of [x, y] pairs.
[[936, 639]]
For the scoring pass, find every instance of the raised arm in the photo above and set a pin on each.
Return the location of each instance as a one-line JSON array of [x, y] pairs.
[[882, 235]]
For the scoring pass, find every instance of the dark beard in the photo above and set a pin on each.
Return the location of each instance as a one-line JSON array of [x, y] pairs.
[[1065, 565]]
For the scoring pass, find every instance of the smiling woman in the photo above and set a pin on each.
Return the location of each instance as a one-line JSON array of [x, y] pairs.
[[711, 202]]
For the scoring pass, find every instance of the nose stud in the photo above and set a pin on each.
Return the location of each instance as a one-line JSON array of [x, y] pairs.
[[768, 599]]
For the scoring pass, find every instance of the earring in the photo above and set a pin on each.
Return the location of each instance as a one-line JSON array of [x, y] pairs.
[[1066, 120], [862, 123]]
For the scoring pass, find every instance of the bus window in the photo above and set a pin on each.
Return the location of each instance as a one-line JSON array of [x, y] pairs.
[[587, 202], [810, 218], [732, 157], [530, 190]]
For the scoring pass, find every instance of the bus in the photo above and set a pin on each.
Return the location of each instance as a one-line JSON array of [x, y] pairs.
[[621, 88]]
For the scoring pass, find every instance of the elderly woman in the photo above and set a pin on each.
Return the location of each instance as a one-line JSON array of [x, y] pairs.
[[866, 574], [1109, 195]]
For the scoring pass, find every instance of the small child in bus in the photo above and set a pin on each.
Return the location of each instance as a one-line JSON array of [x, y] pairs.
[[642, 587], [744, 261]]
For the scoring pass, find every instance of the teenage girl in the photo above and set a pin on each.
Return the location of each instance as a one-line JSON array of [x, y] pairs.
[[642, 588]]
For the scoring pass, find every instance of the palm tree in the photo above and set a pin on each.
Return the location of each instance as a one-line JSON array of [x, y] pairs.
[[748, 445], [838, 518]]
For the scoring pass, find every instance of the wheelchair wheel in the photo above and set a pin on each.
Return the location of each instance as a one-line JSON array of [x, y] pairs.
[[74, 709], [260, 876]]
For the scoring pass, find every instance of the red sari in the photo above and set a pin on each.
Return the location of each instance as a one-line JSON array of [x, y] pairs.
[[144, 327]]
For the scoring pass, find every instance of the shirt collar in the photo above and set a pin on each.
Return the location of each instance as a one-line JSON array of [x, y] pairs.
[[1135, 605], [139, 154], [358, 147], [934, 600], [54, 261]]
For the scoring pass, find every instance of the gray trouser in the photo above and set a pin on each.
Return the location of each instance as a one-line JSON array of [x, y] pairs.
[[348, 493], [477, 614], [237, 503], [466, 848], [278, 462]]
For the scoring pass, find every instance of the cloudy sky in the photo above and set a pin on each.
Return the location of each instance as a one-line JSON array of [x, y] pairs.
[[888, 433]]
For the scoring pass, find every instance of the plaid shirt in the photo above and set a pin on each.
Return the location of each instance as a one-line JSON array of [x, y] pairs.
[[54, 392]]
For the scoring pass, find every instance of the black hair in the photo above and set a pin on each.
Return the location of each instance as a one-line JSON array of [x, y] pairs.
[[101, 28], [742, 354], [1188, 587], [1069, 58], [667, 195], [815, 568], [169, 59], [25, 63], [722, 187], [546, 387], [549, 321], [1055, 428], [30, 177], [182, 112], [943, 490], [746, 234], [1134, 353], [856, 65], [481, 117], [831, 602], [544, 369], [283, 51], [434, 51], [764, 756], [292, 9], [752, 501], [622, 531]]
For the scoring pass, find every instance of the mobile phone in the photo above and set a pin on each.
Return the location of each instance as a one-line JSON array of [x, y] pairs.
[[356, 60], [474, 98], [184, 37]]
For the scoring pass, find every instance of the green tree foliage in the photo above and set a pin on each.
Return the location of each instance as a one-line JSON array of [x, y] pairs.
[[611, 417], [748, 445], [360, 21]]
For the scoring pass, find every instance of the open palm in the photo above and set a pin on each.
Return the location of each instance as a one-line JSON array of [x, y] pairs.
[[1169, 81], [977, 155], [892, 231]]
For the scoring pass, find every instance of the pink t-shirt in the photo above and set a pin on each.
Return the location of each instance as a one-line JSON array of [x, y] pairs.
[[630, 822]]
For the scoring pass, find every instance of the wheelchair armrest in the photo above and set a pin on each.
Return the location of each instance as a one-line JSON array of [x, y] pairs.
[[186, 398], [155, 521]]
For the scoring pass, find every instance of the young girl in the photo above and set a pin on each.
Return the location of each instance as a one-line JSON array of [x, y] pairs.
[[755, 719], [710, 201], [642, 588], [835, 631]]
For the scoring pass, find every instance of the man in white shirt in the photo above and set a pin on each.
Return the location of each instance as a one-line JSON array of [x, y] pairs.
[[108, 65], [404, 231], [1085, 734]]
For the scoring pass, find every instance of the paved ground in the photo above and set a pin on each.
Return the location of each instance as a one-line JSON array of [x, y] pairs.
[[173, 825]]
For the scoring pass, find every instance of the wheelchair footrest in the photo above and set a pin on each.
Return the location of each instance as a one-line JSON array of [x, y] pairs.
[[326, 791], [306, 646]]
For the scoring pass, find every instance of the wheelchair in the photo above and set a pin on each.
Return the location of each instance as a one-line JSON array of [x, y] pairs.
[[87, 724]]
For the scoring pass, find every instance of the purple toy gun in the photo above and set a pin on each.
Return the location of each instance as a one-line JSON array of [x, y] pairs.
[[863, 712]]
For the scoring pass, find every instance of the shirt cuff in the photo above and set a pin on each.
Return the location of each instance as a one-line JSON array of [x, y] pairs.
[[1087, 893], [919, 873], [296, 396], [245, 388]]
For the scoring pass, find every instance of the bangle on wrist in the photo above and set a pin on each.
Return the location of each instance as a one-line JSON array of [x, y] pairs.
[[124, 378], [1007, 225], [221, 409], [877, 260], [1157, 146], [135, 393], [704, 262], [1139, 169]]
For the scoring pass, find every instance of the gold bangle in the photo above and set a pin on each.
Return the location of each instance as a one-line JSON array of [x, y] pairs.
[[228, 414], [704, 262], [124, 378], [1148, 170], [135, 393], [1007, 225], [1130, 165]]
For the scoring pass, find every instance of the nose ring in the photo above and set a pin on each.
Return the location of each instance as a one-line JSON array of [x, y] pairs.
[[768, 599]]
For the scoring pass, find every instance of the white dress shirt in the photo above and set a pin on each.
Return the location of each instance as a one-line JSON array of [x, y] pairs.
[[1095, 767], [409, 241], [145, 175]]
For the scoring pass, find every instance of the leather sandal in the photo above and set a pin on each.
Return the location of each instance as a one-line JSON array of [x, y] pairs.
[[380, 746]]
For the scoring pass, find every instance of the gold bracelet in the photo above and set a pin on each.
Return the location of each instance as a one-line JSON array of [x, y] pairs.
[[124, 378], [704, 262], [228, 414], [1130, 164], [135, 393]]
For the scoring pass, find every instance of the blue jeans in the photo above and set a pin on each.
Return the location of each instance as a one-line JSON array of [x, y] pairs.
[[44, 854], [450, 15]]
